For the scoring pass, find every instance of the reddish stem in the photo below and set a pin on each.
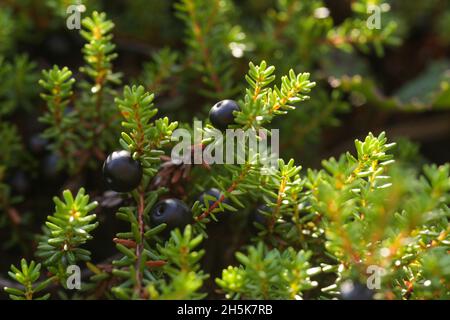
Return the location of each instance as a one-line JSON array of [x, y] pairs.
[[140, 245], [233, 186]]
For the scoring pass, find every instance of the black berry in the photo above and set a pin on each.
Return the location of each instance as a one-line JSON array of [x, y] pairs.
[[121, 172], [173, 212], [221, 114], [351, 290]]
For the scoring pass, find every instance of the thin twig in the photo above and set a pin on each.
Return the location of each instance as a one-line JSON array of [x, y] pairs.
[[140, 245], [232, 187]]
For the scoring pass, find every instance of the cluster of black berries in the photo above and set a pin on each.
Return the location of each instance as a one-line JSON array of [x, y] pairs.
[[122, 173]]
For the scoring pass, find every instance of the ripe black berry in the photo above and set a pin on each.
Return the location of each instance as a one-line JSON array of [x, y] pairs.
[[121, 172], [221, 114], [173, 212], [351, 290]]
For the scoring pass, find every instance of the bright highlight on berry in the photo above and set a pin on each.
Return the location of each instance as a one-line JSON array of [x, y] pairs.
[[121, 172], [173, 212], [221, 114]]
